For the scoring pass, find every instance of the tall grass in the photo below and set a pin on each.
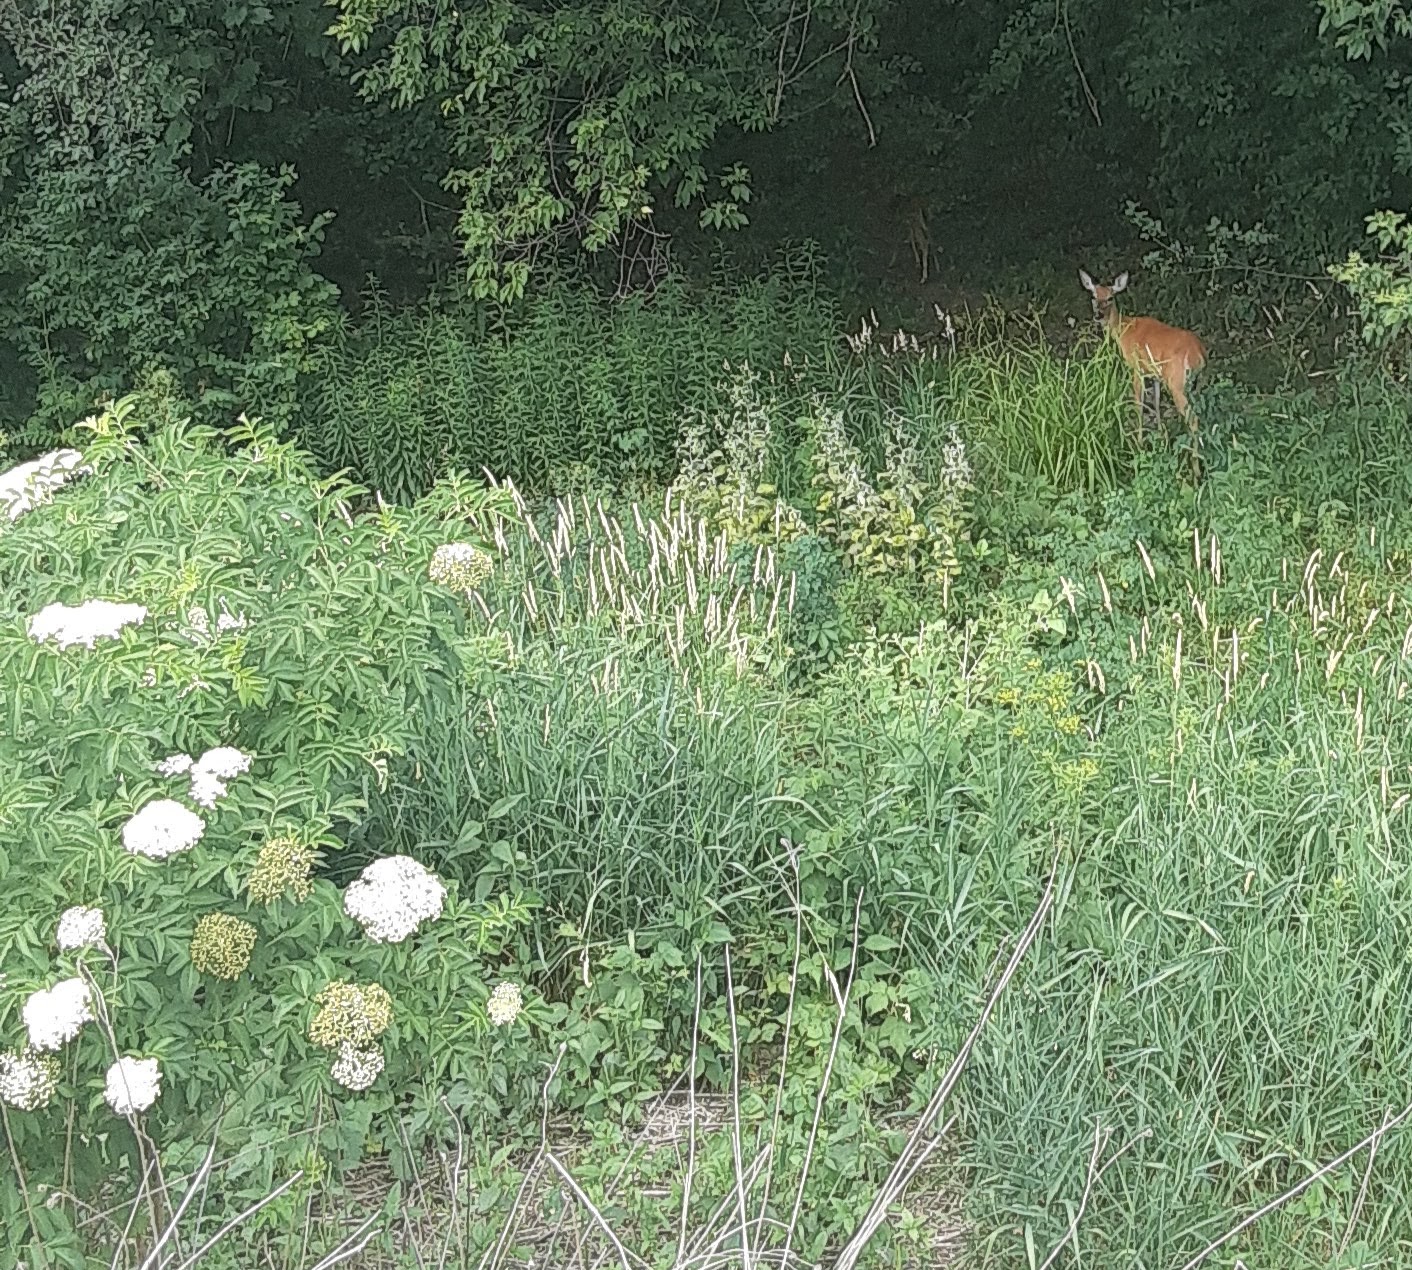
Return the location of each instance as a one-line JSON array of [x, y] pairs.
[[1221, 985]]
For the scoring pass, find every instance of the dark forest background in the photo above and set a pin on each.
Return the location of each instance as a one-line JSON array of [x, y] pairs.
[[210, 193]]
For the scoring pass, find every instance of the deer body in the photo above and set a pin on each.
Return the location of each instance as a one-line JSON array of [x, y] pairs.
[[1152, 349]]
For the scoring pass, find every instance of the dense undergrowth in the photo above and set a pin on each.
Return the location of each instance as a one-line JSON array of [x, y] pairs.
[[750, 752]]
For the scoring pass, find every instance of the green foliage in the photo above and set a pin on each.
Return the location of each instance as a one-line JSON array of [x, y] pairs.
[[1241, 113], [726, 465], [898, 527], [1362, 26], [574, 395], [1038, 416], [1382, 287], [577, 122], [124, 260], [275, 621]]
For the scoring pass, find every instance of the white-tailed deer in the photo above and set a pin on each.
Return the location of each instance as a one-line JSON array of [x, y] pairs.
[[1152, 349]]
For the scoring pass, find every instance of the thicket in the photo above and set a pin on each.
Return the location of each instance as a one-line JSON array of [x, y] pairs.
[[203, 200]]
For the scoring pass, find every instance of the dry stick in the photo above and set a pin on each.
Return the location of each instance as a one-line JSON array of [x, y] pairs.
[[841, 1000], [133, 1117], [1100, 1140], [788, 1020], [197, 1183], [1370, 1141], [624, 1257], [131, 1220], [638, 1140], [238, 1218], [351, 1246], [455, 1183], [309, 1198], [421, 1192], [905, 1167], [691, 1117], [1362, 1193], [492, 1258], [19, 1172], [696, 1252], [736, 1154]]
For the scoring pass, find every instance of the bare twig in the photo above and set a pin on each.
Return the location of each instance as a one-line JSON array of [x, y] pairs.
[[196, 1186], [625, 1258], [737, 1153], [841, 999], [906, 1166], [1362, 1192], [1100, 1140], [492, 1258], [350, 1247], [19, 1172], [242, 1216], [691, 1117], [1370, 1141]]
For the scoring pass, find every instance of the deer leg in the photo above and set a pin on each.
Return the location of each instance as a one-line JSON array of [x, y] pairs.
[[1139, 397], [1177, 386]]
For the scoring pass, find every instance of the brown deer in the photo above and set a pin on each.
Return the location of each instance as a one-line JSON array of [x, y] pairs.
[[1152, 350]]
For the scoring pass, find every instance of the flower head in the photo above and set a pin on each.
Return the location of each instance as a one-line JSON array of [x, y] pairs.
[[133, 1085], [162, 828], [24, 487], [212, 770], [175, 765], [225, 762], [505, 1004], [54, 1016], [350, 1013], [85, 623], [356, 1068], [392, 897], [284, 864], [28, 1079], [460, 566], [80, 927], [221, 945]]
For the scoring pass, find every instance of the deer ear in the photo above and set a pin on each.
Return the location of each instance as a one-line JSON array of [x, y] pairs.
[[1120, 281], [1086, 280]]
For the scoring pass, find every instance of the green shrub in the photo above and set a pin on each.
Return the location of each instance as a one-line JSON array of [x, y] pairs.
[[569, 390], [253, 620]]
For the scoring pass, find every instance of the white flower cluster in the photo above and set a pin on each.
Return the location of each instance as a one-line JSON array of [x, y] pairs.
[[198, 622], [162, 828], [392, 897], [357, 1069], [209, 773], [54, 1016], [28, 1079], [23, 488], [133, 1085], [461, 566], [81, 927], [505, 1004], [84, 623], [175, 765]]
